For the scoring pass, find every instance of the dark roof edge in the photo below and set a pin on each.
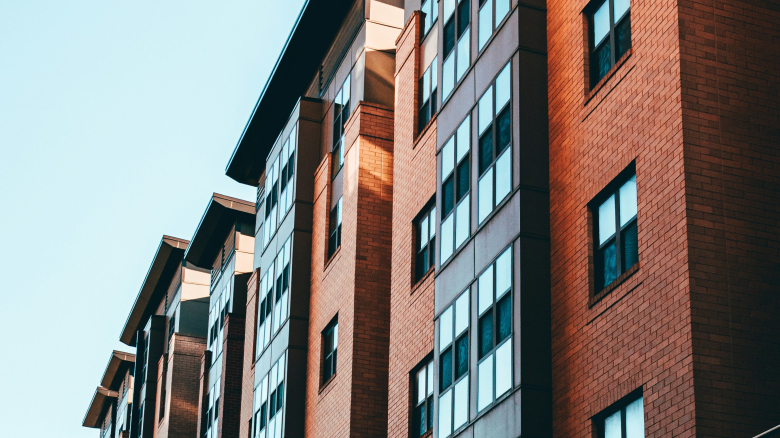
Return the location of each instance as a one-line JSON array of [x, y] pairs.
[[217, 207], [168, 246], [99, 399], [118, 358]]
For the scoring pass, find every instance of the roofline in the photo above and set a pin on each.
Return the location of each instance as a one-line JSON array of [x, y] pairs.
[[118, 358], [96, 407], [169, 246], [210, 222]]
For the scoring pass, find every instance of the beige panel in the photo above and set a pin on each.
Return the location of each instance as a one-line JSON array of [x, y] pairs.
[[196, 276], [245, 243], [244, 262], [381, 37], [387, 12], [191, 291], [430, 47]]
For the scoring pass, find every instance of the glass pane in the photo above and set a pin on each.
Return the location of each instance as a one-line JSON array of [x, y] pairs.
[[630, 245], [462, 313], [346, 94], [621, 7], [421, 386], [464, 16], [504, 131], [485, 196], [601, 23], [485, 290], [503, 272], [464, 138], [608, 263], [504, 318], [449, 8], [485, 335], [612, 426], [461, 356], [606, 219], [503, 176], [434, 81], [622, 37], [445, 329], [445, 370], [429, 369], [628, 201], [485, 23], [446, 238], [434, 11], [502, 8], [426, 8], [503, 84], [463, 179], [601, 61], [447, 196], [448, 77], [635, 419], [432, 217], [461, 413], [462, 218], [447, 161], [335, 336], [423, 233], [485, 383], [445, 414], [485, 150], [485, 114], [426, 85], [419, 420], [504, 368], [449, 37], [464, 53]]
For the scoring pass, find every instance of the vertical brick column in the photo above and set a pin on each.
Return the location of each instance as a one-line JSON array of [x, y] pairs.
[[414, 183], [232, 377], [183, 384], [203, 390], [248, 381]]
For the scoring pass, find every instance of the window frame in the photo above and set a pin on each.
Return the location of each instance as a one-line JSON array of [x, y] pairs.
[[496, 154], [621, 405], [427, 213], [334, 231], [461, 40], [433, 14], [613, 189], [341, 111], [492, 312], [428, 107], [461, 202], [593, 46], [332, 329], [495, 21], [427, 367], [455, 338]]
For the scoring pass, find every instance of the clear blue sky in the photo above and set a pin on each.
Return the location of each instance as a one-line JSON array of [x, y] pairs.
[[117, 119]]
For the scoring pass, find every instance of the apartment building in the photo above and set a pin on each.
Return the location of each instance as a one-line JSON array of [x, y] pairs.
[[167, 326], [224, 245], [111, 406]]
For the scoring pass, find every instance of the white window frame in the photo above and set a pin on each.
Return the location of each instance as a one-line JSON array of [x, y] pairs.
[[453, 402], [491, 14], [456, 225]]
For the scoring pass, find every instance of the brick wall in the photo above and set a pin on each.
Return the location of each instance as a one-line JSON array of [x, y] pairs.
[[354, 284], [414, 183], [639, 335], [730, 62], [232, 377], [183, 385], [248, 382]]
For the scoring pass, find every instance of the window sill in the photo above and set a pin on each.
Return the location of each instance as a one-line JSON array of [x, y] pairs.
[[332, 258], [326, 384], [423, 280], [594, 90], [421, 134], [596, 297]]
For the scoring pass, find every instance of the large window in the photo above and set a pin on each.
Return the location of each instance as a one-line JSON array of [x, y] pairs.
[[422, 399], [455, 187], [287, 155], [425, 230], [431, 10], [428, 95], [494, 121], [616, 234], [491, 13], [494, 349], [457, 43], [276, 278], [271, 201], [212, 413], [610, 35], [268, 416], [334, 234], [282, 285], [330, 343], [454, 366], [264, 310], [624, 419], [341, 110]]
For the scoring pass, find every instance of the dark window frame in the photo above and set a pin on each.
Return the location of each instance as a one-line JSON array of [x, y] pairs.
[[428, 107], [620, 405], [434, 14], [427, 403], [329, 358], [457, 184], [425, 255], [458, 342], [613, 188], [334, 228], [341, 112], [608, 43]]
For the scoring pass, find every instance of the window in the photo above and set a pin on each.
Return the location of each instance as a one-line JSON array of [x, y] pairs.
[[141, 420], [431, 10], [144, 360], [616, 234], [454, 366], [341, 110], [171, 326], [282, 284], [494, 349], [428, 96], [330, 338], [425, 228], [264, 310], [271, 201], [494, 120], [287, 155], [457, 43], [334, 236], [268, 403], [491, 13], [455, 187], [610, 35], [624, 419], [422, 399]]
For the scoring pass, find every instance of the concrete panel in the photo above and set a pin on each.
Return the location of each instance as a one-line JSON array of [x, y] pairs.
[[455, 277], [497, 232]]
